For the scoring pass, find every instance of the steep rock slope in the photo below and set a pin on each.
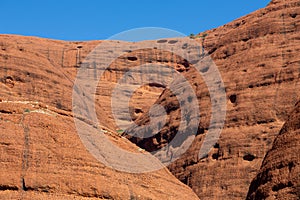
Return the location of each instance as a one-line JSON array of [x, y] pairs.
[[279, 176], [257, 56], [42, 156]]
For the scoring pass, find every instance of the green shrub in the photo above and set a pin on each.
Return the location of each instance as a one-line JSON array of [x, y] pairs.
[[26, 110], [192, 36], [204, 35]]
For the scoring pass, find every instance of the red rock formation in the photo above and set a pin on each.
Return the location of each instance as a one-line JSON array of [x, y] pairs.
[[279, 175], [42, 156], [257, 56]]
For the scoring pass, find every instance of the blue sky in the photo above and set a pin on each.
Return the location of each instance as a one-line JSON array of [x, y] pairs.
[[100, 19]]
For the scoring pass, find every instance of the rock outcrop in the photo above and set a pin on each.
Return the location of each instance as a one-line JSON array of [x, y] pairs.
[[279, 176], [257, 56], [42, 156]]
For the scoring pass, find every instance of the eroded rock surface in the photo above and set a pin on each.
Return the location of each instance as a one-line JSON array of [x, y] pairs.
[[257, 56], [42, 157], [279, 176]]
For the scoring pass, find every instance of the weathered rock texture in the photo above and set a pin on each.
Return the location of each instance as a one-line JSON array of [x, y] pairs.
[[279, 176], [41, 155], [258, 58]]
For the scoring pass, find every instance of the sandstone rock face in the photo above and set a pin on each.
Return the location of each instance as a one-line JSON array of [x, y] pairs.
[[257, 56], [42, 156], [279, 176]]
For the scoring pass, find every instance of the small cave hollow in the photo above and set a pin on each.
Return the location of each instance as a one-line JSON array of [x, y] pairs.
[[293, 15], [217, 146], [153, 84], [132, 58], [200, 131], [185, 45], [204, 69], [233, 98], [185, 63], [249, 157], [162, 41], [138, 111], [9, 81], [215, 156], [173, 41]]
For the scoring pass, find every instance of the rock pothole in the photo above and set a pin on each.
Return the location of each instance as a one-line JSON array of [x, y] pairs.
[[233, 98], [9, 81], [249, 157], [132, 58]]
